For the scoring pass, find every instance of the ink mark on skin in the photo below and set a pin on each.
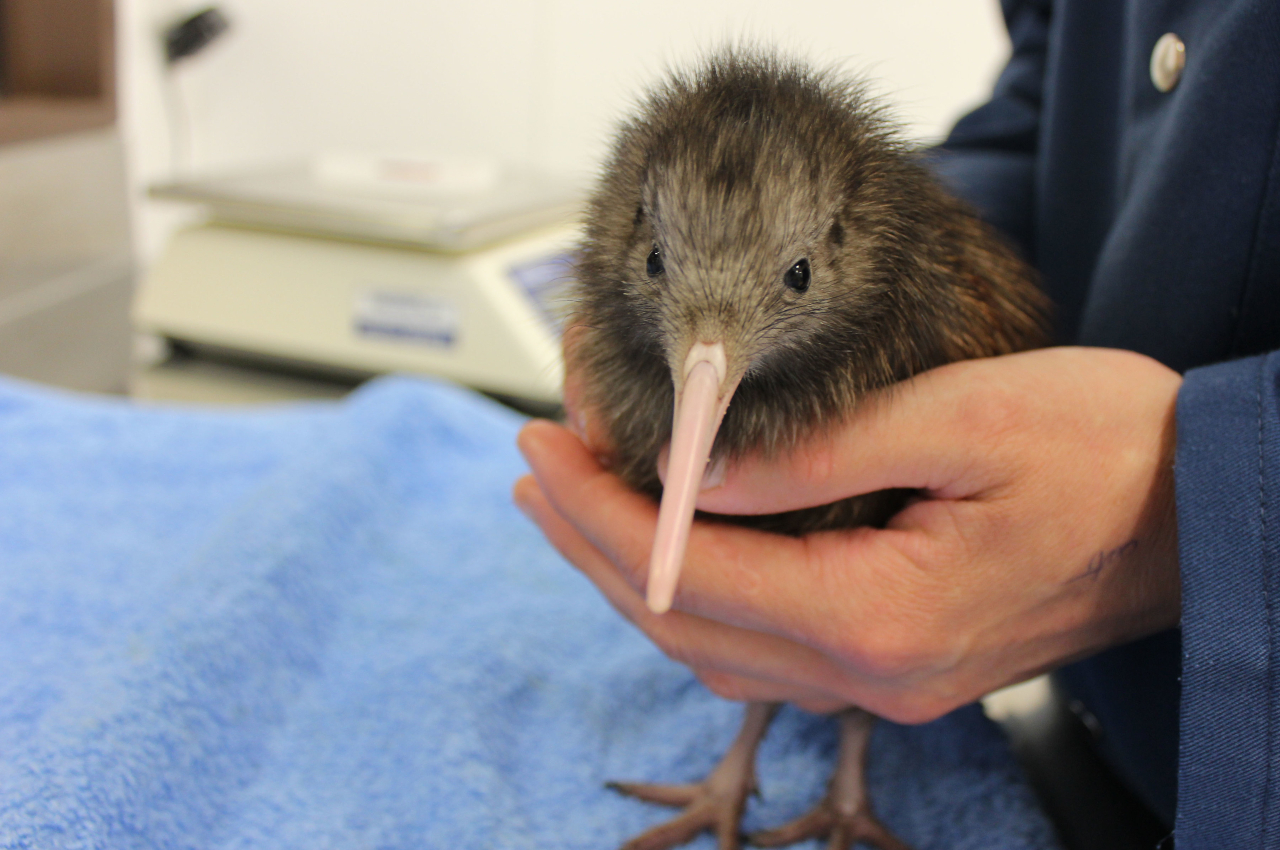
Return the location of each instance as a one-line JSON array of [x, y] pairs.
[[1102, 560]]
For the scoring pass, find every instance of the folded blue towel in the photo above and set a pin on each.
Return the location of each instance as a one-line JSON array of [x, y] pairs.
[[325, 625]]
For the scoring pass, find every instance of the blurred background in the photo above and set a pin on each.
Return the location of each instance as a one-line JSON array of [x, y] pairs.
[[102, 101]]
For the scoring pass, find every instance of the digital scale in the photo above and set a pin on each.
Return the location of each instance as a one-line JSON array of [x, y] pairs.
[[375, 264]]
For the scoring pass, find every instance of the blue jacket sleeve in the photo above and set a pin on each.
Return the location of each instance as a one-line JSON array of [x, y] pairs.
[[1228, 484]]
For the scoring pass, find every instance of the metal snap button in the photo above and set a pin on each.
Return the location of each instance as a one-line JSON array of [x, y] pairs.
[[1167, 61]]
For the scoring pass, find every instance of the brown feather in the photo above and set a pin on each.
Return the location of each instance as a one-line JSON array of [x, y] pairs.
[[736, 171]]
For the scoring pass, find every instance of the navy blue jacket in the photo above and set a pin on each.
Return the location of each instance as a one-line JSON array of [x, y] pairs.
[[1154, 219]]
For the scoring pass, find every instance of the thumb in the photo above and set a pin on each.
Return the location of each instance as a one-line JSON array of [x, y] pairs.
[[923, 433]]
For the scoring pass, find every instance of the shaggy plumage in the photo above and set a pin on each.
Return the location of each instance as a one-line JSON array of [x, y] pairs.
[[733, 173]]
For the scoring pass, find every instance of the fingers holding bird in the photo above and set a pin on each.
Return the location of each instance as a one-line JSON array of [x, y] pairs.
[[749, 629], [732, 662], [1055, 541], [620, 524]]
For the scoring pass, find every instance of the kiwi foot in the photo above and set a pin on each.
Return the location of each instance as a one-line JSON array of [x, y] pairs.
[[842, 829], [714, 804], [844, 817]]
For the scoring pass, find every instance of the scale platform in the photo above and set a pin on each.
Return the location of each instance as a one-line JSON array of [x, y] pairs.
[[361, 278]]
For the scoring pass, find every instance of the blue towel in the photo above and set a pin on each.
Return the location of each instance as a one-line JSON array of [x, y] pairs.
[[325, 626]]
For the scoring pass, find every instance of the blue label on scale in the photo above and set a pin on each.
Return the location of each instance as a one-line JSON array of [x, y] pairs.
[[546, 280], [406, 316]]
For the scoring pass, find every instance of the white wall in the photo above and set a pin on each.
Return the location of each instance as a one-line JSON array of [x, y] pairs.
[[538, 81]]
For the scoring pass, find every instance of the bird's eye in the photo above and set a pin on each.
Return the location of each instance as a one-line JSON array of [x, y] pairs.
[[654, 264], [797, 277]]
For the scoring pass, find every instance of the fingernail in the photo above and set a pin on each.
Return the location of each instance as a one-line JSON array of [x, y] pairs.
[[577, 423], [527, 439], [714, 476], [522, 504], [526, 510], [522, 438]]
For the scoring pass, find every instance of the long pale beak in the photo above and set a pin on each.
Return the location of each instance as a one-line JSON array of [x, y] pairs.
[[699, 409]]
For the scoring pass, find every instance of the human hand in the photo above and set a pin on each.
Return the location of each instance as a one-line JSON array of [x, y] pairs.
[[1044, 532]]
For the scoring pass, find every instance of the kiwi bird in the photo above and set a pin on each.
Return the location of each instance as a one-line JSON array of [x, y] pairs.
[[762, 251]]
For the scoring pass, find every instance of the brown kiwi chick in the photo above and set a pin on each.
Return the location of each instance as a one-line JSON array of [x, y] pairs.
[[765, 218]]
